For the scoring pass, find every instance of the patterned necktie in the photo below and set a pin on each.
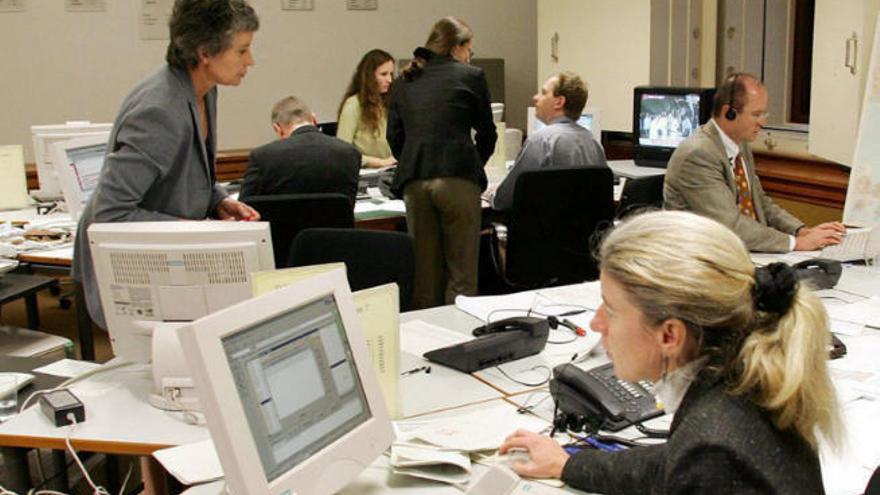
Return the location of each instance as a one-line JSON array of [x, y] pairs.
[[744, 195]]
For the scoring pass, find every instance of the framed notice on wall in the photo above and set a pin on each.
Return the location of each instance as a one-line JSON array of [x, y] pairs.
[[85, 5], [154, 19], [297, 4], [13, 5], [362, 4], [863, 194]]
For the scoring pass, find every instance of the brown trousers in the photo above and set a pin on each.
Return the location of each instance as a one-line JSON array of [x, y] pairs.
[[443, 216]]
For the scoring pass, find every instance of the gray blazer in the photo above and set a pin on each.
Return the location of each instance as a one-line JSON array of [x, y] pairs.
[[157, 166], [699, 179], [718, 444]]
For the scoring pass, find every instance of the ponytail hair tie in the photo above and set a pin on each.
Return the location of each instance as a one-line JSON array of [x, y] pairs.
[[775, 287], [423, 53]]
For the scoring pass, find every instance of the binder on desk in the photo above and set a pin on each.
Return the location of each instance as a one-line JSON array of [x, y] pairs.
[[13, 187]]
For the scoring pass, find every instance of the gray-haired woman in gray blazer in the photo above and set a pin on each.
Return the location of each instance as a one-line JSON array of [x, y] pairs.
[[160, 157], [738, 353]]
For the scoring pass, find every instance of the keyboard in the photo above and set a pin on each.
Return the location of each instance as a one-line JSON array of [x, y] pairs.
[[853, 247], [644, 162]]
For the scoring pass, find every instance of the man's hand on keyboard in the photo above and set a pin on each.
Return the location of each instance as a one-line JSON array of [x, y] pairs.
[[824, 234]]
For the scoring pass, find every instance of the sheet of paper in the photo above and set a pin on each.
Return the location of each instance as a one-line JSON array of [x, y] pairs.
[[269, 280], [379, 311], [13, 187], [68, 368], [418, 337], [191, 463], [864, 312], [485, 429], [430, 463]]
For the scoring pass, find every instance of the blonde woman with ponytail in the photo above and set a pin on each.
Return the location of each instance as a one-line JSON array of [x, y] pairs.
[[738, 354]]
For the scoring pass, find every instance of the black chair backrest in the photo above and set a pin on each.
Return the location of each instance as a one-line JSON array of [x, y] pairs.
[[873, 487], [329, 128], [641, 192], [371, 257], [555, 213], [288, 214]]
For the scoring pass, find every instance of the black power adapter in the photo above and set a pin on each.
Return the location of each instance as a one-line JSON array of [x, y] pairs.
[[57, 404]]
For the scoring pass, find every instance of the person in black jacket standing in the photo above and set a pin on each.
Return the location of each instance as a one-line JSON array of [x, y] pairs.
[[433, 109]]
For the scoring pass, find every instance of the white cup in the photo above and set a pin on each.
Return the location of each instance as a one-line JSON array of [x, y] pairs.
[[8, 396]]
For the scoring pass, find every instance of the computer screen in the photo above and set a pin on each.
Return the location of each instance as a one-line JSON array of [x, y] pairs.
[[154, 272], [663, 117], [78, 163], [43, 137], [289, 390], [589, 119]]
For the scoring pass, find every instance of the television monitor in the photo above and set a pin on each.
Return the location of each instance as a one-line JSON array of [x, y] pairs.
[[154, 272], [78, 163], [43, 136], [663, 117], [590, 119], [288, 389]]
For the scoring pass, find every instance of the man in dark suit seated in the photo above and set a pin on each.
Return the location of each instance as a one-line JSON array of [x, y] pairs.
[[303, 160], [712, 173]]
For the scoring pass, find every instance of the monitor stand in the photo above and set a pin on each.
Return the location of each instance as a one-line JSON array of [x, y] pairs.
[[173, 388]]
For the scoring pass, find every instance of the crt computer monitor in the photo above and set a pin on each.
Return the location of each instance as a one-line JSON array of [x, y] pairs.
[[43, 137], [288, 388], [663, 117], [177, 271], [78, 163], [590, 119]]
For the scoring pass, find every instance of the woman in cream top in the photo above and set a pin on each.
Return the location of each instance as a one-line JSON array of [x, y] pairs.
[[364, 109]]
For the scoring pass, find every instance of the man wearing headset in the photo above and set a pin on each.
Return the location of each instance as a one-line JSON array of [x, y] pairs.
[[712, 173]]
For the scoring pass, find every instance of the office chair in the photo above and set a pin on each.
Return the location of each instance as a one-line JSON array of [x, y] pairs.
[[640, 193], [288, 214], [547, 239], [328, 128], [371, 257], [873, 487]]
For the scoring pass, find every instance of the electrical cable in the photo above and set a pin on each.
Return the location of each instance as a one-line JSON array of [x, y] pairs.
[[72, 380], [96, 490], [528, 384]]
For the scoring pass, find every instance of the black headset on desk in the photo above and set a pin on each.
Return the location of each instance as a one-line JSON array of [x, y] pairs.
[[730, 114]]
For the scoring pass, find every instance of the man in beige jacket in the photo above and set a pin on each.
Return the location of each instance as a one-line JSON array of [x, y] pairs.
[[712, 173]]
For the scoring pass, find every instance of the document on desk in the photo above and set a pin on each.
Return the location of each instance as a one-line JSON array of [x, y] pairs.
[[431, 463], [67, 368], [191, 463], [484, 429], [550, 301], [418, 337], [864, 312], [269, 280]]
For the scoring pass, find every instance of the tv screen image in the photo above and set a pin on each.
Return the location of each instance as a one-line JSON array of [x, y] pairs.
[[666, 120]]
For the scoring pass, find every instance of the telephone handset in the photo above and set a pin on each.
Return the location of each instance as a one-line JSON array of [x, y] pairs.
[[596, 399], [821, 273], [527, 323]]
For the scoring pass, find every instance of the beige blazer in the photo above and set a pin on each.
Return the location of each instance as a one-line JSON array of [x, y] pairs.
[[699, 179]]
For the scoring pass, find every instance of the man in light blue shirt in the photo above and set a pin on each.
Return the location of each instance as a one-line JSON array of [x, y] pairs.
[[562, 142]]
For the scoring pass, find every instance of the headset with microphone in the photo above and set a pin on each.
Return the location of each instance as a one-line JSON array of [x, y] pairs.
[[730, 114]]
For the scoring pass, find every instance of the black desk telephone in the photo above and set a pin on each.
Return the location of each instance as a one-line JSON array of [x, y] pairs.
[[596, 399], [496, 343]]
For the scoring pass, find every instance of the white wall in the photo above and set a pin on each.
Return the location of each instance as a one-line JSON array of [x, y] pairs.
[[61, 66], [607, 43]]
